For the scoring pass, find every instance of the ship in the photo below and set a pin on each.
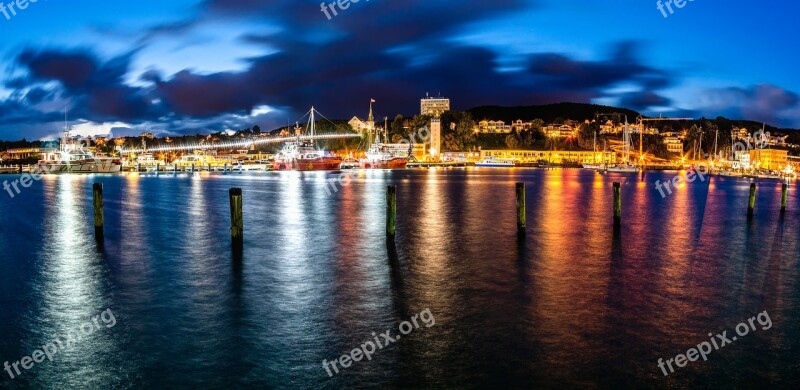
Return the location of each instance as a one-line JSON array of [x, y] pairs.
[[495, 162], [304, 156], [72, 158], [380, 155]]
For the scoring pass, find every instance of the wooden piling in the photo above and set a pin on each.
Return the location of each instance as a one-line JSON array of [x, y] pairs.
[[521, 209], [391, 211], [784, 190], [617, 205], [237, 224], [99, 222], [192, 168], [751, 204]]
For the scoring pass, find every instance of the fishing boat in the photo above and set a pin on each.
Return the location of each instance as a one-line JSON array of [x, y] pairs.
[[72, 158], [495, 162], [379, 155], [304, 156]]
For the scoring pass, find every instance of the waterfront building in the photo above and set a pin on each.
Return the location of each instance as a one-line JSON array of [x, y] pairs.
[[25, 153], [743, 157], [434, 106], [553, 156], [772, 159]]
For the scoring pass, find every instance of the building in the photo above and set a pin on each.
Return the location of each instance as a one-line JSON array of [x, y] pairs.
[[434, 106], [743, 157], [771, 159], [553, 156], [25, 153], [361, 125], [492, 127], [560, 131], [674, 144]]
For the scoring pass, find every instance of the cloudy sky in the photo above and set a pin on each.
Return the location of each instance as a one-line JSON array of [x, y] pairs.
[[188, 66]]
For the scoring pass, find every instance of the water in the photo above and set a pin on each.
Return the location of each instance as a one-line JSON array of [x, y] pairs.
[[570, 305]]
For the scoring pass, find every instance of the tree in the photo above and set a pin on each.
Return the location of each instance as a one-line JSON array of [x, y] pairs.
[[256, 130], [512, 142]]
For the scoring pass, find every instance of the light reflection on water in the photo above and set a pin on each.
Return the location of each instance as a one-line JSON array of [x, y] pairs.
[[571, 304]]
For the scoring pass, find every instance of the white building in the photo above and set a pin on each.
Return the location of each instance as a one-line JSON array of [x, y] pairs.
[[434, 106]]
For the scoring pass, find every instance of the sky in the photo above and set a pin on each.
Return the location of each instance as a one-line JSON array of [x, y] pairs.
[[196, 66]]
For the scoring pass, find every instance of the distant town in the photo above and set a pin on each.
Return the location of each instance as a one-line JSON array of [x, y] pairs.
[[580, 134]]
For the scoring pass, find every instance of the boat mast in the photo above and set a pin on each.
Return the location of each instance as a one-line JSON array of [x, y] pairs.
[[386, 129], [312, 124], [371, 124]]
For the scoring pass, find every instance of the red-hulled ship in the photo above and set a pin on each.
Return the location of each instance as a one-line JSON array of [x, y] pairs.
[[381, 156], [303, 156]]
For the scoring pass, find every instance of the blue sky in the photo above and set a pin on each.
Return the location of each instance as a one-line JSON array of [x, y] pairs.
[[189, 66]]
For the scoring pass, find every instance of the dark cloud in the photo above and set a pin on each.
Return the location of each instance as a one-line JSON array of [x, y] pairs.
[[763, 102], [392, 51], [642, 100]]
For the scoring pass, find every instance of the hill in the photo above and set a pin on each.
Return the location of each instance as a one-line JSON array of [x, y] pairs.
[[548, 112]]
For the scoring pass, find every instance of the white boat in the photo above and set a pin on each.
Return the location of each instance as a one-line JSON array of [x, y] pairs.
[[593, 166], [495, 162], [72, 158], [622, 168]]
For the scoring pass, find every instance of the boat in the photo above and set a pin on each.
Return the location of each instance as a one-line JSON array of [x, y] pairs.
[[379, 156], [304, 156], [495, 162], [593, 166], [622, 168], [148, 162], [626, 166], [72, 158]]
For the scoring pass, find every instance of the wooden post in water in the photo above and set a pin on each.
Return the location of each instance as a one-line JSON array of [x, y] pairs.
[[209, 167], [158, 167], [192, 168], [783, 197], [237, 224], [751, 204], [138, 167], [521, 209], [617, 205], [391, 211], [99, 222]]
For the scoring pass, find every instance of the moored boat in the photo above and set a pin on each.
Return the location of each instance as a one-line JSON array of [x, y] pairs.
[[72, 158], [495, 162], [303, 156]]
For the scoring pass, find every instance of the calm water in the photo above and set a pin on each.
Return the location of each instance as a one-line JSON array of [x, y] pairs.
[[572, 305]]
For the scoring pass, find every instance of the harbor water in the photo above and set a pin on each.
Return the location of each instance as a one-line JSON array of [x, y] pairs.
[[572, 304]]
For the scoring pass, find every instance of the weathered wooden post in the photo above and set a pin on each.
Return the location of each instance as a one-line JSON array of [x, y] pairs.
[[521, 209], [209, 167], [751, 204], [97, 190], [138, 167], [192, 168], [391, 211], [158, 167], [784, 190], [237, 224], [225, 168], [617, 205]]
